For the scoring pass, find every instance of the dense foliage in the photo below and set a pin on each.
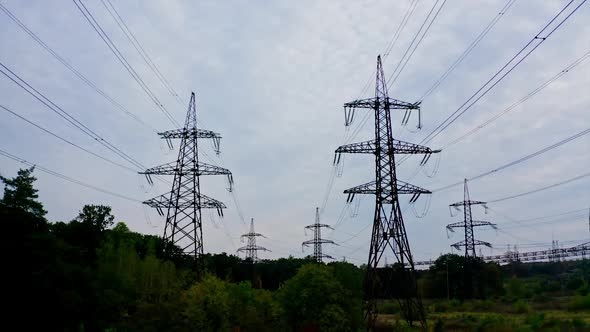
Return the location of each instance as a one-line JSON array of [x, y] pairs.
[[92, 274]]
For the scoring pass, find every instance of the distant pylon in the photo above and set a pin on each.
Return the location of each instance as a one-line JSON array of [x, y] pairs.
[[469, 242], [468, 223], [389, 231], [251, 249], [184, 202], [317, 241]]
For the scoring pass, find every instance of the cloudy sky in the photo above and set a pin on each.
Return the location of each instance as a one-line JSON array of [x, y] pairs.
[[271, 77]]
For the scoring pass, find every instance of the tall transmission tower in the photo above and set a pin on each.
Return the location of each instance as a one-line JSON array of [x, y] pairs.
[[468, 223], [184, 202], [251, 249], [470, 242], [389, 232], [317, 241]]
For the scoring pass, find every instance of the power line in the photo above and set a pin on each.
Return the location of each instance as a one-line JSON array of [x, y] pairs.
[[566, 70], [538, 220], [400, 28], [542, 217], [68, 65], [65, 177], [398, 31], [138, 47], [576, 178], [107, 40], [397, 72], [65, 115], [65, 140], [514, 62], [470, 48], [520, 160]]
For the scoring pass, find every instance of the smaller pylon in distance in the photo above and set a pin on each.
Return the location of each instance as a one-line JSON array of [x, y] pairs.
[[251, 249], [468, 224], [317, 240]]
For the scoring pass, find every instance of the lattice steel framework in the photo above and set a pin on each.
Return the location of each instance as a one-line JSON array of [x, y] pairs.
[[317, 240], [184, 202], [468, 223], [389, 231], [251, 249]]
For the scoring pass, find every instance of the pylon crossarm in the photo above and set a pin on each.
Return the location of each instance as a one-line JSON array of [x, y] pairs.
[[253, 234], [163, 201], [455, 225], [458, 245], [318, 225], [482, 243], [189, 133], [403, 188], [172, 169], [381, 103], [483, 223], [260, 248], [360, 147], [469, 202]]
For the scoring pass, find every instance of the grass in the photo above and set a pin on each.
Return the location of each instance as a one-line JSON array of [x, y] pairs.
[[483, 316]]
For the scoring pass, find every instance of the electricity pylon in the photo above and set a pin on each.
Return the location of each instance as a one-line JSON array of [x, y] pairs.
[[468, 223], [317, 241], [184, 202], [389, 232], [251, 249], [469, 242]]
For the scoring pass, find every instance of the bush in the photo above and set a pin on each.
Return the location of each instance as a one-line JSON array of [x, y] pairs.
[[521, 307], [535, 321], [389, 307], [483, 305], [578, 303], [440, 307], [494, 323]]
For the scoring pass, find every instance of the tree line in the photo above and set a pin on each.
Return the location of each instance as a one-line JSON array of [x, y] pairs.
[[92, 274]]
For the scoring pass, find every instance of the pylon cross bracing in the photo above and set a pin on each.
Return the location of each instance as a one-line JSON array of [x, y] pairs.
[[468, 224], [182, 205], [317, 241], [251, 249], [389, 232]]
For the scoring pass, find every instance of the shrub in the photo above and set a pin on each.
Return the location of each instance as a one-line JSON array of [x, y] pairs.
[[535, 321], [494, 323], [440, 307], [483, 305], [579, 303], [521, 307], [389, 307]]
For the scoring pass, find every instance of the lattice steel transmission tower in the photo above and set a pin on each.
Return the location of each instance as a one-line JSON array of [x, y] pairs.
[[184, 202], [317, 241], [251, 249], [468, 223], [389, 232], [469, 242]]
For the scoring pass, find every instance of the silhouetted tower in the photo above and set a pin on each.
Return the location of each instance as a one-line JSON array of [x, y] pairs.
[[184, 202], [389, 232], [469, 242], [317, 241], [468, 223], [251, 249]]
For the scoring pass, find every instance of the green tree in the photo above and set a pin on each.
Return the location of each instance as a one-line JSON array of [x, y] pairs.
[[97, 216], [20, 194], [314, 294]]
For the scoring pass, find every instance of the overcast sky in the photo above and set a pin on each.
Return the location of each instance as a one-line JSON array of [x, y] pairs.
[[271, 77]]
